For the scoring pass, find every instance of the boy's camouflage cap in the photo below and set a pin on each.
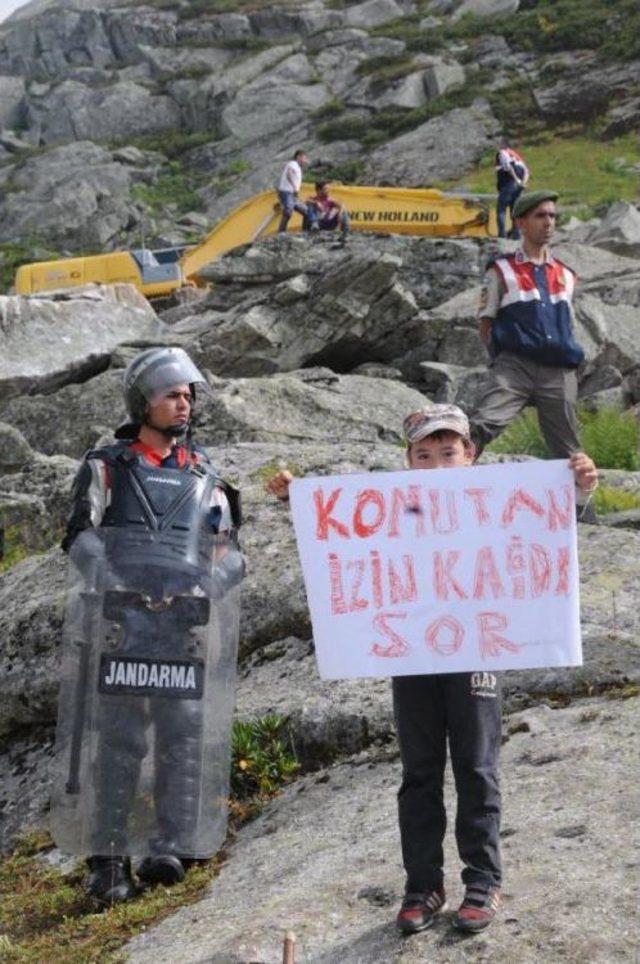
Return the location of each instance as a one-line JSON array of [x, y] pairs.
[[435, 418], [531, 199]]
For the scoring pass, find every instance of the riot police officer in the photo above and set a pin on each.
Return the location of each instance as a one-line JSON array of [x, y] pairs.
[[151, 639]]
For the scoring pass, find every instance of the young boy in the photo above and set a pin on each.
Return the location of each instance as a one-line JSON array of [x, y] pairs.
[[431, 709]]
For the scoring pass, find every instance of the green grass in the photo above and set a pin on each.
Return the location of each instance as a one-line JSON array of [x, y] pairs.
[[46, 917], [170, 188], [332, 108], [173, 143], [609, 27], [610, 437], [385, 67], [608, 498], [15, 549], [587, 172], [347, 172], [11, 257], [521, 437]]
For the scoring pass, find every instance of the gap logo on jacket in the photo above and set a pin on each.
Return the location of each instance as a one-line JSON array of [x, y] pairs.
[[534, 318]]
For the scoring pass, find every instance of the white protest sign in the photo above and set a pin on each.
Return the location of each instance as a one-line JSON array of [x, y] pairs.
[[440, 571]]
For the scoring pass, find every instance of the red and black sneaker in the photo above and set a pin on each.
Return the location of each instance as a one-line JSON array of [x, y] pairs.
[[478, 908], [418, 911]]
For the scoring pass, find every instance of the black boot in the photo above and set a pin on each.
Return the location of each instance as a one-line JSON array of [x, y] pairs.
[[110, 880], [162, 869]]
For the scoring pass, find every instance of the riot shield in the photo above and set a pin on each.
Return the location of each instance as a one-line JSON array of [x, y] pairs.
[[146, 698]]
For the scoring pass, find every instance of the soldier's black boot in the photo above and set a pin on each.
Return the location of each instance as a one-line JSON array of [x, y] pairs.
[[164, 869], [110, 881]]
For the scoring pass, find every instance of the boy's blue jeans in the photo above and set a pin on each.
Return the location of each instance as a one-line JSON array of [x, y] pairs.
[[466, 709]]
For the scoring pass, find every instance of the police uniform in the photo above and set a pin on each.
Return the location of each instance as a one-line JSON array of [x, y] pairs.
[[128, 489]]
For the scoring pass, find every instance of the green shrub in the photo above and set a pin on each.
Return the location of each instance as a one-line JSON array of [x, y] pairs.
[[261, 761], [14, 548], [348, 172], [11, 257], [521, 437], [332, 108], [607, 498], [173, 143], [170, 188], [381, 65], [611, 438]]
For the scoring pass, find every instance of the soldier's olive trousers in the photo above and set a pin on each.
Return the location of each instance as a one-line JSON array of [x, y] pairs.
[[464, 708], [517, 382]]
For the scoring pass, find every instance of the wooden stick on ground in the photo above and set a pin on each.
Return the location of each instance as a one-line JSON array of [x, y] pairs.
[[289, 949]]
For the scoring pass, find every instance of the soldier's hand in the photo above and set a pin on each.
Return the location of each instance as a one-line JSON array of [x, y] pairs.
[[279, 485], [584, 471]]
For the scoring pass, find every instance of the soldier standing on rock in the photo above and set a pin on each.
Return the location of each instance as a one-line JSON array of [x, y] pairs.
[[142, 764], [526, 318]]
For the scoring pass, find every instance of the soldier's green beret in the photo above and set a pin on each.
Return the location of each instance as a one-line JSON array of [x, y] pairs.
[[531, 199]]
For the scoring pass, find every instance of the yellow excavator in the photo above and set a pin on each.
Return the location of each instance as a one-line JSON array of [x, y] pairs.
[[161, 273]]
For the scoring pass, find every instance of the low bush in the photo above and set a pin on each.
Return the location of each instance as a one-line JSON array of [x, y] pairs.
[[262, 761], [170, 188], [174, 143], [610, 437], [348, 172], [12, 255], [521, 437], [607, 498]]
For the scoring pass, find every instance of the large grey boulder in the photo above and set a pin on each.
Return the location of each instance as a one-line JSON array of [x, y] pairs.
[[486, 8], [70, 420], [312, 404], [373, 13], [12, 101], [443, 147], [408, 92], [588, 89], [442, 75], [357, 311], [74, 195], [619, 230], [256, 110], [73, 111], [566, 804], [340, 72], [613, 328], [50, 341], [306, 20]]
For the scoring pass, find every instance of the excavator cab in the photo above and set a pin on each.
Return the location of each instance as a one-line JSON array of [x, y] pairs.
[[158, 266]]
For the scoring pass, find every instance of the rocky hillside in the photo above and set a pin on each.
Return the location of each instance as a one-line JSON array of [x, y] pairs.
[[127, 120], [314, 354]]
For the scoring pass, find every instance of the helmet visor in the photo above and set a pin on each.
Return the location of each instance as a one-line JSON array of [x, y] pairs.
[[155, 375]]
